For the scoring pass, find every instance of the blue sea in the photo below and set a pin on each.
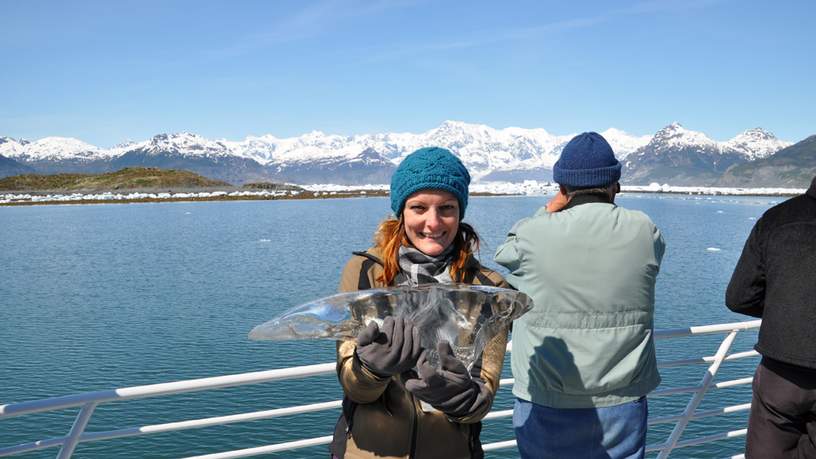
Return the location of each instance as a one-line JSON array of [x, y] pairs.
[[97, 297]]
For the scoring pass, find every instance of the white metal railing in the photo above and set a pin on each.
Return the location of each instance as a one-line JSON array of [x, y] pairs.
[[88, 401]]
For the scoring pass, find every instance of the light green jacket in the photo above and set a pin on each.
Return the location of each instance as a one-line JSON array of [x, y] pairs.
[[590, 270]]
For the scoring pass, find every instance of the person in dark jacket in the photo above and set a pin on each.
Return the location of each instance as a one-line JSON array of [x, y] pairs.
[[383, 414], [775, 279]]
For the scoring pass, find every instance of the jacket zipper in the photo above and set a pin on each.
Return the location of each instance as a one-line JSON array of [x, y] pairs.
[[412, 455], [414, 424]]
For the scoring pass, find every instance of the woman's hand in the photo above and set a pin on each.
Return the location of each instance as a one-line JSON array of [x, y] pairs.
[[389, 351], [449, 389]]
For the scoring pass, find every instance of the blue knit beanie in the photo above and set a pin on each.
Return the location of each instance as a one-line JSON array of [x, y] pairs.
[[430, 168], [587, 161]]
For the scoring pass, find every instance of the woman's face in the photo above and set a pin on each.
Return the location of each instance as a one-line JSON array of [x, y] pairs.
[[431, 220]]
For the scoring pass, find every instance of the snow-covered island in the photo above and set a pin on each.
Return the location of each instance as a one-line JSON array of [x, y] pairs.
[[536, 188], [128, 197], [712, 190]]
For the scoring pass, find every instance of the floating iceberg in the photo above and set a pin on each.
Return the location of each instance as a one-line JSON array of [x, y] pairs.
[[467, 316]]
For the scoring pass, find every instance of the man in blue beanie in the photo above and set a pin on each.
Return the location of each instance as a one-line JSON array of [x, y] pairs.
[[584, 358]]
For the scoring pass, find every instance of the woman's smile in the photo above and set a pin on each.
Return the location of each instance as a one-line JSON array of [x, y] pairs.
[[431, 220]]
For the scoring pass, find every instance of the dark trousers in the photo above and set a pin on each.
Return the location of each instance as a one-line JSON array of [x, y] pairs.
[[783, 412]]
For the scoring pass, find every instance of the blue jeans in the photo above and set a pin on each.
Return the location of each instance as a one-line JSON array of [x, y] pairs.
[[614, 432]]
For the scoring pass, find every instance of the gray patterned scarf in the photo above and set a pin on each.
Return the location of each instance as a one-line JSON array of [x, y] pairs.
[[417, 268]]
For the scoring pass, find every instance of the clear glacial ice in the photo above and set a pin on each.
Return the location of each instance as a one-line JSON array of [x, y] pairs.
[[467, 316]]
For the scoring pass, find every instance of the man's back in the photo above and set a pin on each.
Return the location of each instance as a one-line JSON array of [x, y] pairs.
[[583, 357], [591, 272], [776, 279]]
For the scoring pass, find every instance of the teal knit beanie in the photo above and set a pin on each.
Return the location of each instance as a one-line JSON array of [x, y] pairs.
[[430, 168]]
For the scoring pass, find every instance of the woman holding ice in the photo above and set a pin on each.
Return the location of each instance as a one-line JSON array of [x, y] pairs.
[[383, 414]]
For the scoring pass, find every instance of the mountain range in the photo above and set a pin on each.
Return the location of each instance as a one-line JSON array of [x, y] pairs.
[[679, 156], [674, 155]]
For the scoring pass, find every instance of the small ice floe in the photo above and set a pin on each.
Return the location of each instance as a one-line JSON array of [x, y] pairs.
[[713, 249], [719, 211], [187, 213], [264, 240]]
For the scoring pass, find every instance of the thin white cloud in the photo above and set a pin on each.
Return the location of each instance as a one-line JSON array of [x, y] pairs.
[[664, 6], [314, 20], [491, 37]]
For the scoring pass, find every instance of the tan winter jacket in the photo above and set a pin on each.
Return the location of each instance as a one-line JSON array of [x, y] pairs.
[[386, 420]]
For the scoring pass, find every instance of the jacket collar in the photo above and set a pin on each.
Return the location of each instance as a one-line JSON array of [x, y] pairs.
[[372, 254], [577, 200], [472, 262], [812, 190]]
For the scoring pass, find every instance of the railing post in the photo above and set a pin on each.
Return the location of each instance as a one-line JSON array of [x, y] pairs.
[[77, 429], [698, 396]]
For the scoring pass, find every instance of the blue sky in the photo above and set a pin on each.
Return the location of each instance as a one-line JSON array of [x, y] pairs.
[[109, 71]]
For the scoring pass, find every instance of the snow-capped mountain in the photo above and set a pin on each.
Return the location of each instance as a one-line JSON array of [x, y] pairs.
[[12, 148], [793, 166], [367, 167], [55, 149], [482, 148], [57, 154], [623, 143], [312, 146], [186, 151], [183, 144], [755, 143], [682, 156], [678, 156], [675, 136], [752, 144]]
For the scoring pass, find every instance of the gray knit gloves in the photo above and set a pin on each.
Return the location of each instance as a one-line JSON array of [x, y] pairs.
[[451, 389], [391, 350], [395, 349]]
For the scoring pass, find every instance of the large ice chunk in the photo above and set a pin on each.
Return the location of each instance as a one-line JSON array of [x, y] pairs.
[[467, 316]]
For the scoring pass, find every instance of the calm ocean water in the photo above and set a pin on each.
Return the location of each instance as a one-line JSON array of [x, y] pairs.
[[95, 297]]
